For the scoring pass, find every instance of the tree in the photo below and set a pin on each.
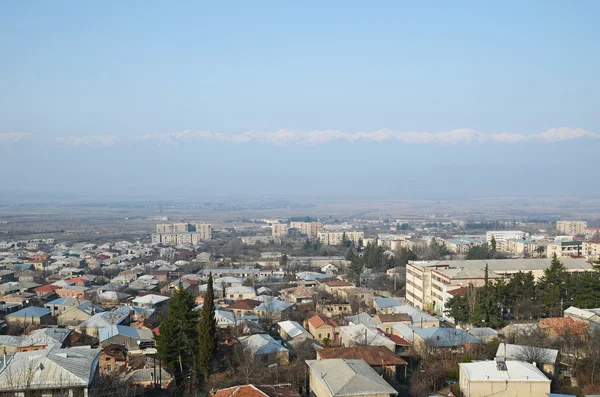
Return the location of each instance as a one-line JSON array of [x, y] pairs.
[[458, 309], [552, 285], [283, 261], [207, 332], [493, 243], [177, 343]]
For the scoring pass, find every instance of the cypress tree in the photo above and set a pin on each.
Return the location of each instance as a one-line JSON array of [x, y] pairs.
[[207, 332], [177, 343]]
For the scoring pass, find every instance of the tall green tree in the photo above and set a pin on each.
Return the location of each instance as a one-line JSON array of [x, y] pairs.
[[177, 343], [283, 261], [457, 308], [553, 285], [208, 332], [493, 243]]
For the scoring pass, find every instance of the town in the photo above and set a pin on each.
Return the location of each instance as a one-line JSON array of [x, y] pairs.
[[305, 306]]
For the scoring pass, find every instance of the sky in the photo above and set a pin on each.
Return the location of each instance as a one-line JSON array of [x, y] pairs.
[[196, 100]]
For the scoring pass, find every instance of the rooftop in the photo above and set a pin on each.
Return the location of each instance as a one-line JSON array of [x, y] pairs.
[[372, 355], [516, 371]]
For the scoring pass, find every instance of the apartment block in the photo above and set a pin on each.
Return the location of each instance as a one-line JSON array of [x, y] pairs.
[[521, 247], [503, 235], [192, 238], [572, 228], [164, 228], [430, 283], [336, 238], [204, 229], [564, 249], [181, 227], [279, 230], [310, 229], [591, 250]]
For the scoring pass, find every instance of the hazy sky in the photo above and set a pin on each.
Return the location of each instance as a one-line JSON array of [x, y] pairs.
[[393, 98]]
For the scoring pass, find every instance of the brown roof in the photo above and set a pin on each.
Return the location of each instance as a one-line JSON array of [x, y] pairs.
[[278, 391], [239, 391], [334, 282], [393, 318], [372, 355], [318, 320], [244, 304], [563, 325]]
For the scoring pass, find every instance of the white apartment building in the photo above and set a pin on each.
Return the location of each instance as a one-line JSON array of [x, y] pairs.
[[336, 238], [310, 229], [428, 282], [503, 235], [192, 238], [571, 227], [279, 230]]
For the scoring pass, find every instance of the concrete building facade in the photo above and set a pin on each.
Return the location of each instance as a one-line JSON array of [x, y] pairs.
[[572, 228]]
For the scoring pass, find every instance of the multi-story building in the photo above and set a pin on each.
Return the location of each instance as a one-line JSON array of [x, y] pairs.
[[279, 230], [393, 241], [336, 238], [564, 249], [181, 227], [429, 283], [310, 229], [572, 228], [192, 238], [164, 228], [204, 229], [462, 245], [502, 236], [591, 250], [521, 247]]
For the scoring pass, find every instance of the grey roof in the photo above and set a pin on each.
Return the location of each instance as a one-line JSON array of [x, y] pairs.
[[131, 332], [104, 320], [446, 337], [8, 340], [386, 302], [293, 329], [516, 371], [46, 336], [482, 332], [363, 318], [527, 353], [31, 311], [509, 265], [349, 377], [54, 368], [262, 344]]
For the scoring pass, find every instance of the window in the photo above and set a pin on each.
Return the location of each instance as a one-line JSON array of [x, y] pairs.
[[319, 335]]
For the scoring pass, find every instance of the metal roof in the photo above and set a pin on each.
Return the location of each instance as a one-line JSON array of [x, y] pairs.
[[349, 377], [516, 371]]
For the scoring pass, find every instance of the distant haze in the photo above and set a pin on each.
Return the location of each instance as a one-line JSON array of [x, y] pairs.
[[312, 99]]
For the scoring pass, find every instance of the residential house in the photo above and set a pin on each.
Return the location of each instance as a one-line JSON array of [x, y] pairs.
[[240, 292], [359, 294], [256, 391], [431, 339], [297, 295], [498, 377], [563, 326], [244, 307], [113, 359], [30, 316], [60, 305], [289, 330], [103, 320], [342, 377], [274, 309], [484, 334], [78, 314], [150, 378], [362, 318], [384, 362], [42, 338], [385, 305], [322, 328], [130, 337], [334, 309], [72, 291], [45, 290], [388, 321], [265, 349], [57, 371], [361, 335], [545, 359], [151, 301], [333, 285], [10, 344], [418, 317]]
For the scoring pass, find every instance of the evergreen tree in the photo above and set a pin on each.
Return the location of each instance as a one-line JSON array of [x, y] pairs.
[[553, 286], [208, 332], [283, 261], [457, 308], [493, 243], [177, 343]]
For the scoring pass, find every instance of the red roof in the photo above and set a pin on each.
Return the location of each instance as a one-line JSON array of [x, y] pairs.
[[239, 391], [78, 280], [244, 304], [372, 355], [46, 288], [318, 320], [395, 338], [156, 331]]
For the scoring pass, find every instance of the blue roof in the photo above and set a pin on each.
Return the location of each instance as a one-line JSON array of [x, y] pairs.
[[31, 311], [57, 302], [446, 337], [386, 302]]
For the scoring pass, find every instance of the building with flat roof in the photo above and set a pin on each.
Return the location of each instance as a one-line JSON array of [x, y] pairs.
[[310, 229], [572, 228], [279, 230], [500, 377], [429, 283], [564, 249], [336, 238]]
